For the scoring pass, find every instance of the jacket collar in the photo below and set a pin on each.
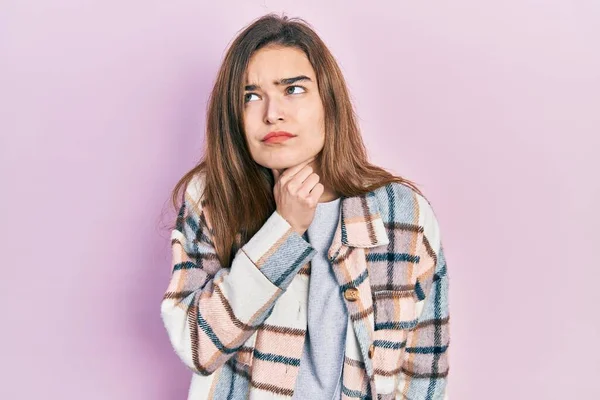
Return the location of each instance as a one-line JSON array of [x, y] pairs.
[[360, 224]]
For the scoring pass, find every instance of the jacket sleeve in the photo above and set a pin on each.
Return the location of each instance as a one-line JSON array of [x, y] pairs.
[[210, 310], [425, 365]]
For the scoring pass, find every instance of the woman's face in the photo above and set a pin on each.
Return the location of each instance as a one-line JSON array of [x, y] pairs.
[[281, 95]]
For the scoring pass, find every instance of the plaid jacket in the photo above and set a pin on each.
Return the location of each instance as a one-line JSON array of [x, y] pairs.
[[241, 328]]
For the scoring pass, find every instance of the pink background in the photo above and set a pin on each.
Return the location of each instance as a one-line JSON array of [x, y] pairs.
[[494, 109]]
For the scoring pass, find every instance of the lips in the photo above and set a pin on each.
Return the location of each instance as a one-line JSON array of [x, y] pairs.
[[281, 135]]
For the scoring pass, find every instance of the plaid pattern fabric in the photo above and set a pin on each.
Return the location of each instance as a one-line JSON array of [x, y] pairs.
[[241, 328]]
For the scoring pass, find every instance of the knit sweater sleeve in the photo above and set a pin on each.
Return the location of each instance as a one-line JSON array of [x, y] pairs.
[[210, 310]]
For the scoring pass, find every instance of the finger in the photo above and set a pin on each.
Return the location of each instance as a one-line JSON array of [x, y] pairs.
[[308, 184], [297, 175], [317, 192], [290, 172], [298, 180], [276, 174]]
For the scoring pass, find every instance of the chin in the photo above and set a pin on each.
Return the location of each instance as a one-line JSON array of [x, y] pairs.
[[286, 161], [278, 165], [284, 158]]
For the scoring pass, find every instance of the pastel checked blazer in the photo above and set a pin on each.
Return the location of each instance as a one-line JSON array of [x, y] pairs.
[[241, 328]]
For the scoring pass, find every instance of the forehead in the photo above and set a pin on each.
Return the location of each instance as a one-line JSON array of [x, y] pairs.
[[273, 63]]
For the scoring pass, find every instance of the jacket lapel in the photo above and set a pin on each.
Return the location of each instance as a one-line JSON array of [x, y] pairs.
[[360, 226]]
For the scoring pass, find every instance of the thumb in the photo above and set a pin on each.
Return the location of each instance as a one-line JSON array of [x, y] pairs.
[[276, 174]]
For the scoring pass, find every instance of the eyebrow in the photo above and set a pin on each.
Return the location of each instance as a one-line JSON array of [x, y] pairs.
[[284, 81]]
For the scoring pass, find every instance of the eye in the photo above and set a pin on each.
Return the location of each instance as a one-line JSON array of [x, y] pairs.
[[247, 95], [287, 89]]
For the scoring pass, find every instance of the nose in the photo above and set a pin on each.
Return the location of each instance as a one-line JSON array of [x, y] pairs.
[[274, 111]]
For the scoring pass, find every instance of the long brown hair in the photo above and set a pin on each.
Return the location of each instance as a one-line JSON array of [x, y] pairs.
[[238, 191]]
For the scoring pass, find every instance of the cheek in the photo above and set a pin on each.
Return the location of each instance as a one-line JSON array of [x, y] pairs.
[[249, 120], [312, 119], [313, 130], [251, 127]]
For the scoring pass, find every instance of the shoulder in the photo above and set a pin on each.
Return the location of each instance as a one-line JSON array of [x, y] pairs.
[[401, 205], [193, 200], [194, 189]]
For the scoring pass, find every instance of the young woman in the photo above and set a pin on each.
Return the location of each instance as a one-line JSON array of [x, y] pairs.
[[300, 270]]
